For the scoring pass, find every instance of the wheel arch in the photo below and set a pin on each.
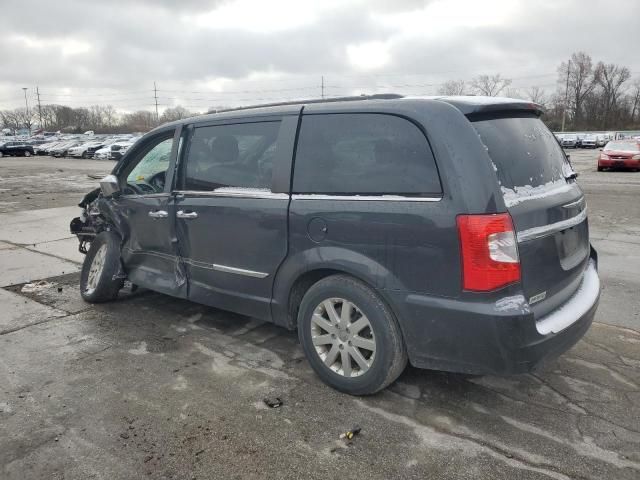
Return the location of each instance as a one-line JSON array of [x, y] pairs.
[[299, 272]]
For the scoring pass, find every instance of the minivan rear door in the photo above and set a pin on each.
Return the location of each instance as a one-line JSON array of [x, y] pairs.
[[232, 200], [547, 205]]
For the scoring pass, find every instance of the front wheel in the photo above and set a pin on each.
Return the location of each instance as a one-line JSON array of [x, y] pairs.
[[100, 280], [350, 336], [27, 153]]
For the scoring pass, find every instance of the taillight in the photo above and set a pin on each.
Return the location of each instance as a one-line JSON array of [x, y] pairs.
[[489, 251], [635, 157]]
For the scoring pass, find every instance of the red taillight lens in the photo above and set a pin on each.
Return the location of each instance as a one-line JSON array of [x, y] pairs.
[[489, 251]]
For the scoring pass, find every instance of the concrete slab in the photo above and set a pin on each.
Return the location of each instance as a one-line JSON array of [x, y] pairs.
[[18, 312], [36, 226], [21, 265], [66, 248]]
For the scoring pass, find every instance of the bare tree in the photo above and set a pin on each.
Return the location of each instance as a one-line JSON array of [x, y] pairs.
[[635, 99], [611, 78], [176, 113], [452, 87], [536, 95], [576, 76], [490, 85]]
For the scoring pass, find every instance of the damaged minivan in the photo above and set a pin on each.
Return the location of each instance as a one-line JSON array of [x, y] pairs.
[[446, 232]]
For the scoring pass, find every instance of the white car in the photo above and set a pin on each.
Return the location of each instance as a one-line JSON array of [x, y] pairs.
[[81, 151], [103, 153]]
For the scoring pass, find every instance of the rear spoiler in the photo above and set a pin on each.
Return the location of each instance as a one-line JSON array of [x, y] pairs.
[[472, 106]]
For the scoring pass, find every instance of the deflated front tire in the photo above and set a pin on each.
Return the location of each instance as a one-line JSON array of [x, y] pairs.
[[100, 280]]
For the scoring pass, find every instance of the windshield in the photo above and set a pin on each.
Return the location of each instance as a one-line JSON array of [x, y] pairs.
[[623, 146], [524, 152]]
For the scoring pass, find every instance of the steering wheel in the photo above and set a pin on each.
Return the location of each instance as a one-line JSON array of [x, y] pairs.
[[155, 184], [157, 181]]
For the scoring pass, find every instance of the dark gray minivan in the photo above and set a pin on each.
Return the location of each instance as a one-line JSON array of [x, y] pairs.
[[449, 231]]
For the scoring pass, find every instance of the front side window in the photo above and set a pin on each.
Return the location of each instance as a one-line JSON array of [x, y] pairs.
[[239, 155], [149, 173], [363, 154]]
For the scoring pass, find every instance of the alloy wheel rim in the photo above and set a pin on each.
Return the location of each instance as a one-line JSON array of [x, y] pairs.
[[95, 271], [342, 337]]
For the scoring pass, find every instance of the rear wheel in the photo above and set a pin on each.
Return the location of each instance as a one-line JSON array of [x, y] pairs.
[[600, 169], [27, 153], [99, 280], [350, 336]]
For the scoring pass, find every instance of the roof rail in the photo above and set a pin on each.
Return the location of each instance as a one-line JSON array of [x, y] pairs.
[[377, 96]]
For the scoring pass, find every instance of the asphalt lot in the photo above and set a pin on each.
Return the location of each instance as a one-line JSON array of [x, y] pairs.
[[154, 387]]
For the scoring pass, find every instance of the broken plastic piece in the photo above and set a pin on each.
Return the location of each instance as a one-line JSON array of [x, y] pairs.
[[349, 434], [273, 403]]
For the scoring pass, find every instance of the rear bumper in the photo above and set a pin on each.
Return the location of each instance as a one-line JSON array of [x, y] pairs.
[[500, 337]]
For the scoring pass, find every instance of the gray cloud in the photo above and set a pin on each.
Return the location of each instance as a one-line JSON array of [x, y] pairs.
[[133, 43]]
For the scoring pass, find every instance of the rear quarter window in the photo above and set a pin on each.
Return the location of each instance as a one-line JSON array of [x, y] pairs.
[[363, 154]]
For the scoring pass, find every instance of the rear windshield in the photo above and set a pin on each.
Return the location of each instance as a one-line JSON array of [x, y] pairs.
[[524, 152]]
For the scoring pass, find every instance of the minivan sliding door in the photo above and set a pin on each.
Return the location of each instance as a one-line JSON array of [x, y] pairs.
[[231, 220]]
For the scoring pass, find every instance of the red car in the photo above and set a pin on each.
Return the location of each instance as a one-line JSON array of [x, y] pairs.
[[620, 154]]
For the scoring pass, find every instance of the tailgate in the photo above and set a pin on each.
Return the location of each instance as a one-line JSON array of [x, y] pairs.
[[546, 204]]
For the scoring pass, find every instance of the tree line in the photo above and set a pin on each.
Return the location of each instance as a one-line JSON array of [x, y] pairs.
[[589, 96], [99, 118]]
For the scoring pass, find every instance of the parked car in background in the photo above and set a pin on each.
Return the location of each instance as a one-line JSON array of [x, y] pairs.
[[16, 149], [579, 138], [569, 140], [102, 153], [589, 141], [82, 150], [601, 140], [118, 149], [62, 149], [620, 154], [449, 232]]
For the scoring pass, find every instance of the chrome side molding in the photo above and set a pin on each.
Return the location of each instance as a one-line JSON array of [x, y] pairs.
[[543, 231], [225, 268], [366, 198]]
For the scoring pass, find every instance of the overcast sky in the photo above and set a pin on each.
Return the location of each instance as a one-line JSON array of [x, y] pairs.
[[204, 53]]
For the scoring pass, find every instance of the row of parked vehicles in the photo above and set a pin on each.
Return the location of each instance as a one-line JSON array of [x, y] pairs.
[[583, 140], [104, 147]]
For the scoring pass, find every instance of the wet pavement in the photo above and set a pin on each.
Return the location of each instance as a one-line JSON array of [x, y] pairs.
[[154, 387]]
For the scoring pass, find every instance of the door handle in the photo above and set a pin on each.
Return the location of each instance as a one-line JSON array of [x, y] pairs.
[[186, 215], [158, 214]]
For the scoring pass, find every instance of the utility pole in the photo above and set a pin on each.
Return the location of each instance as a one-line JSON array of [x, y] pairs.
[[155, 95], [39, 107], [322, 87], [26, 106], [566, 95]]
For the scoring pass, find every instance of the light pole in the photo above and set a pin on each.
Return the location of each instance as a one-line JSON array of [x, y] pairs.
[[26, 106]]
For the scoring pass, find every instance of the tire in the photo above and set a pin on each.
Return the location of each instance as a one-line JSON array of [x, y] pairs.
[[27, 153], [1, 155], [600, 169], [99, 285], [386, 358], [84, 154]]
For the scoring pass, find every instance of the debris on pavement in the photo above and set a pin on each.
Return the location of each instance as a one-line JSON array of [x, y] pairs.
[[273, 402], [349, 434], [36, 286]]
